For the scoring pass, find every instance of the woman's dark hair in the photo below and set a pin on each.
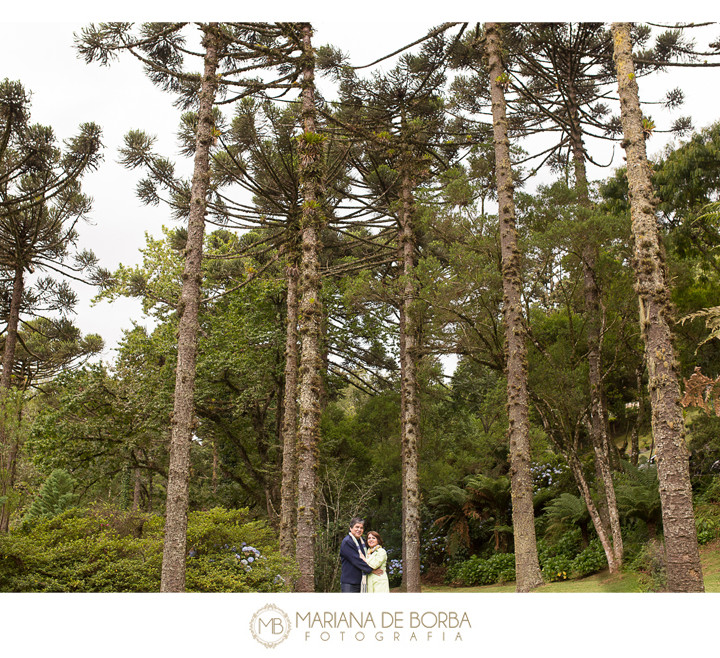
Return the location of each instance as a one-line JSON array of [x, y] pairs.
[[377, 536]]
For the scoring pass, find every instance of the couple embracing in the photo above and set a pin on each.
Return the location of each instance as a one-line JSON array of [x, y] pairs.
[[364, 567]]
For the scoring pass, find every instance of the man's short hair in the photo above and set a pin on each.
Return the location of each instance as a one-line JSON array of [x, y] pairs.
[[355, 520]]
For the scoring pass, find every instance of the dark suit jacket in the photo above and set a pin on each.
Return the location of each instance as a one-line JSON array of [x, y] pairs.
[[352, 566]]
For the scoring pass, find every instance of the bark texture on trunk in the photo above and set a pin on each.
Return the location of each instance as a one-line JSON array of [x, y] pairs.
[[684, 573], [183, 422], [593, 320], [527, 566], [600, 527], [410, 420], [403, 498], [310, 322], [288, 496], [9, 445]]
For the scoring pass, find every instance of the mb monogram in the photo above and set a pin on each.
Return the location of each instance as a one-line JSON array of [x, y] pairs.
[[270, 625]]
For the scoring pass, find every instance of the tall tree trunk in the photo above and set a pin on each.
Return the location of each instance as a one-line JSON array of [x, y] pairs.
[[403, 499], [684, 572], [527, 566], [288, 497], [410, 419], [598, 412], [635, 436], [183, 422], [9, 445], [310, 322], [11, 333]]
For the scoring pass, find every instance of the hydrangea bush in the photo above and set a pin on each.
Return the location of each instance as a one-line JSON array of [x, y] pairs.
[[106, 550]]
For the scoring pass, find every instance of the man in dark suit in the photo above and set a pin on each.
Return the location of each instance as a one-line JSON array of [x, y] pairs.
[[353, 566]]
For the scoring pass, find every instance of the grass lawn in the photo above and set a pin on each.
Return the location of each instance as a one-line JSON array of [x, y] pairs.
[[603, 581]]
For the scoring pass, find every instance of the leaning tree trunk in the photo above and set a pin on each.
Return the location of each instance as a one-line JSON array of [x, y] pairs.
[[288, 496], [527, 566], [410, 420], [684, 573], [598, 413], [9, 445], [183, 422], [310, 322], [582, 485]]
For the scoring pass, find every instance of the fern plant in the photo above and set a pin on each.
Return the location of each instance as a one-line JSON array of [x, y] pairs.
[[568, 510], [638, 496]]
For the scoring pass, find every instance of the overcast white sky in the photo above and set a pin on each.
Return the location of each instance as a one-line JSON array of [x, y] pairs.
[[67, 92]]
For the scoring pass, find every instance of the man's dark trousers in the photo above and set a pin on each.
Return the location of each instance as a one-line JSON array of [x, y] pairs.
[[346, 588]]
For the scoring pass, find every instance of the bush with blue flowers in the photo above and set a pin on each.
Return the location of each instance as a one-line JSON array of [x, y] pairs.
[[107, 550]]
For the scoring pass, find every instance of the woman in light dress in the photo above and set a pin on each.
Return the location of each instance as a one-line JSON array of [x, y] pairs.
[[377, 559]]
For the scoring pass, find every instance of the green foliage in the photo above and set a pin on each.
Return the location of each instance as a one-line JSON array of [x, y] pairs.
[[638, 495], [107, 550], [555, 568], [499, 568], [649, 563], [590, 560], [704, 433], [565, 557], [707, 521], [449, 505], [566, 509], [55, 496], [568, 545]]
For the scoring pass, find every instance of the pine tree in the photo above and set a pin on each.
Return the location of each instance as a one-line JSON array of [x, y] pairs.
[[40, 205], [55, 496]]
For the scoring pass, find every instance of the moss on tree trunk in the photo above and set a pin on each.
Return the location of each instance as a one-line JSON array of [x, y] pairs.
[[183, 421], [310, 322], [526, 560], [684, 572]]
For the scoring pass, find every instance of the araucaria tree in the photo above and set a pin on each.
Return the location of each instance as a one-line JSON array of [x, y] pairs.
[[526, 559], [309, 318], [183, 420], [40, 205], [684, 572], [227, 50]]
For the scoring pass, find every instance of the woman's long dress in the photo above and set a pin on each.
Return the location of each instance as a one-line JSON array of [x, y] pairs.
[[378, 560]]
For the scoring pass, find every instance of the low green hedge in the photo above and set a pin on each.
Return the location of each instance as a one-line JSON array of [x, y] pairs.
[[106, 550], [561, 560], [498, 568]]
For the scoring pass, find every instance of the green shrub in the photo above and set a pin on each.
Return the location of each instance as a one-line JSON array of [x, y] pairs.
[[707, 522], [106, 550], [565, 557], [55, 496], [590, 560], [567, 545], [649, 564], [556, 567], [498, 568]]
